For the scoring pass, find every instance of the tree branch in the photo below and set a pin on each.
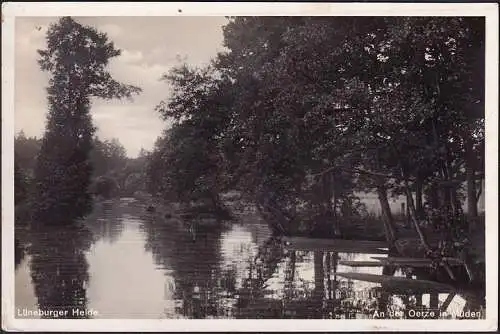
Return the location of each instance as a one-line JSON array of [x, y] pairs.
[[371, 173], [329, 169], [413, 214]]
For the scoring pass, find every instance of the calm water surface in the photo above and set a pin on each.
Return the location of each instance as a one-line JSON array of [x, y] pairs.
[[124, 263]]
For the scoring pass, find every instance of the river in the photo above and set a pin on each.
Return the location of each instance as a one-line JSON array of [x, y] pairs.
[[122, 263]]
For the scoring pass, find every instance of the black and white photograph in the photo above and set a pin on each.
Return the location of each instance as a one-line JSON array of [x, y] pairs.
[[174, 165]]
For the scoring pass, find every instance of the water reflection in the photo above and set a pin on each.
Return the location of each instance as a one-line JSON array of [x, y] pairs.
[[106, 220], [19, 253], [59, 269], [197, 282], [306, 286], [126, 263]]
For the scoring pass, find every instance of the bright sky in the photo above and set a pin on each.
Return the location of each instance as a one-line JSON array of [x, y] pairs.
[[150, 47]]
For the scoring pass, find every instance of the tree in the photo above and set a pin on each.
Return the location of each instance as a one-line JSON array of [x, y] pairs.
[[185, 163], [435, 69], [315, 108], [290, 114], [104, 186], [107, 156], [27, 149], [389, 103], [20, 187], [76, 58]]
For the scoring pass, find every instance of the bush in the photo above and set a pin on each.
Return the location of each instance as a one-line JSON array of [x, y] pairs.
[[105, 187]]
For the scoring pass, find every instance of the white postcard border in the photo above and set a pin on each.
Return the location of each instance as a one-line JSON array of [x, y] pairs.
[[53, 9]]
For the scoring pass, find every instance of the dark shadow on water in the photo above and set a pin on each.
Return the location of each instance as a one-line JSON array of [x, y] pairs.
[[19, 253], [21, 227], [194, 261], [59, 269]]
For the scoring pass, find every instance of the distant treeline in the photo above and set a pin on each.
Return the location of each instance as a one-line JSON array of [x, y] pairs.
[[113, 173]]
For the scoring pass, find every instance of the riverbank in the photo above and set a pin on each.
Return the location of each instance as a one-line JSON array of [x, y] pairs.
[[368, 227]]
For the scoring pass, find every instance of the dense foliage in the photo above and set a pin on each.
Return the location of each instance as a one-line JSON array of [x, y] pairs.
[[76, 58], [186, 164], [299, 113]]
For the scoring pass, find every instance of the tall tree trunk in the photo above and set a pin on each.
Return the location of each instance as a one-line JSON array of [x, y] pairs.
[[328, 192], [444, 187], [388, 220], [411, 206], [334, 210], [433, 195], [335, 199], [451, 190], [471, 182], [418, 196]]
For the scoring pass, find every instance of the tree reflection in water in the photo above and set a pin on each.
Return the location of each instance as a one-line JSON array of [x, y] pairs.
[[329, 298], [19, 253], [203, 288], [221, 273], [255, 295], [59, 269], [271, 284], [106, 220]]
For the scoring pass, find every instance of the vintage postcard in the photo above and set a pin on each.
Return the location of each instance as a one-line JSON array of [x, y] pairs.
[[249, 166]]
